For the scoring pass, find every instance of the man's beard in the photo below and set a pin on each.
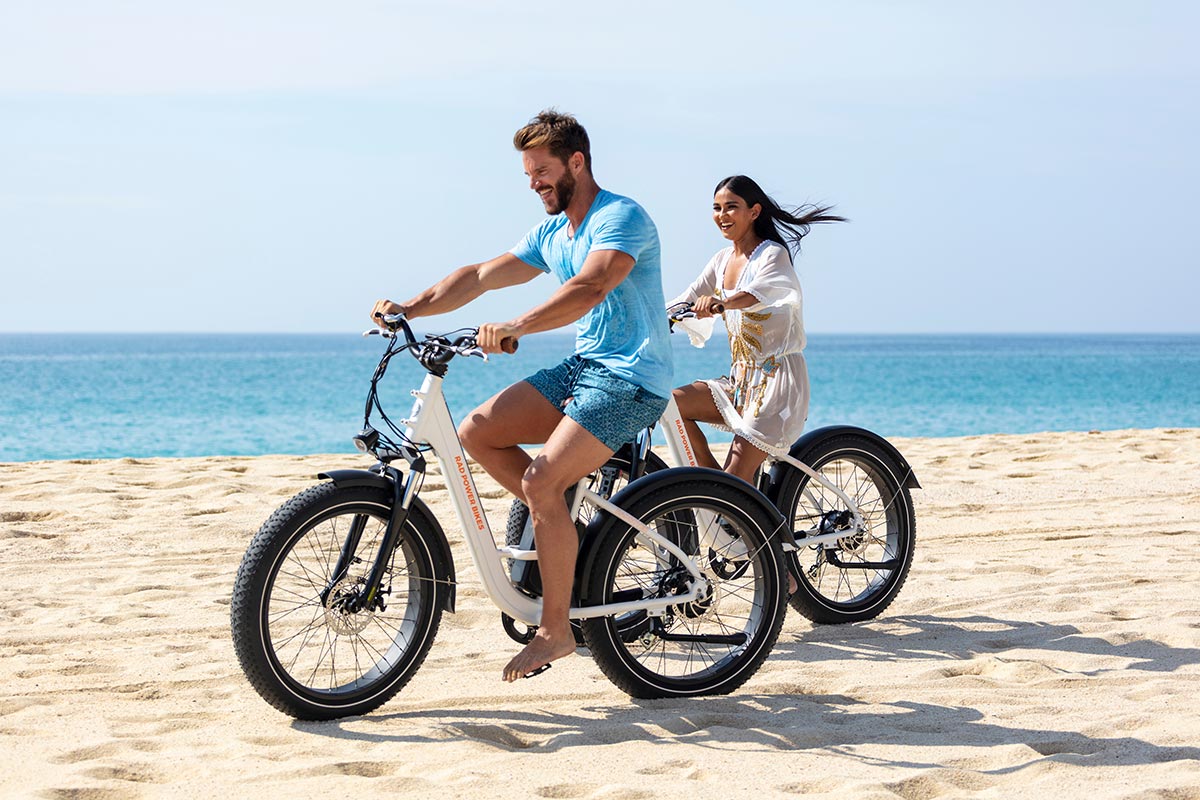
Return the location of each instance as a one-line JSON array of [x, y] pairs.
[[564, 190]]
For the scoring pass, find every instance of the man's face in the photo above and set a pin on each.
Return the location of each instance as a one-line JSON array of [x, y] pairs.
[[550, 178]]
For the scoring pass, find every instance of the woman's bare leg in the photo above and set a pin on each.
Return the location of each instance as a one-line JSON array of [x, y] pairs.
[[696, 405], [744, 459]]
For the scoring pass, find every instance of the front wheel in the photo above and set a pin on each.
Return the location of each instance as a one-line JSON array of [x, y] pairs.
[[854, 577], [710, 645], [305, 640]]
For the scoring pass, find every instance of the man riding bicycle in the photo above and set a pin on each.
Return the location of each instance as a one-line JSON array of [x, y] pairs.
[[604, 250]]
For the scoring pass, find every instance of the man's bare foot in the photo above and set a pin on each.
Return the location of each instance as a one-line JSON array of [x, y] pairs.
[[544, 648], [792, 585]]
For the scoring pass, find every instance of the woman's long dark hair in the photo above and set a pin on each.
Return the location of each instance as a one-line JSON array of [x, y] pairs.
[[776, 224]]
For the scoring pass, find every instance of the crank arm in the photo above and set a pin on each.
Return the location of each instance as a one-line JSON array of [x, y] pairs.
[[734, 639], [831, 557], [822, 538]]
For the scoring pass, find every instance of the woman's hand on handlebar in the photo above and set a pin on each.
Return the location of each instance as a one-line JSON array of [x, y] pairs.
[[707, 306], [497, 337]]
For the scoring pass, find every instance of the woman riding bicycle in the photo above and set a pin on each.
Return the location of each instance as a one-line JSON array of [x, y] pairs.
[[764, 399]]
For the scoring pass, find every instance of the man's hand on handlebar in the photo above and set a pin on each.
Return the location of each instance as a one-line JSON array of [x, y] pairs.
[[497, 337], [383, 307]]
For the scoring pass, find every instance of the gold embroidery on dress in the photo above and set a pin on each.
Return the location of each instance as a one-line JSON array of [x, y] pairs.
[[748, 376]]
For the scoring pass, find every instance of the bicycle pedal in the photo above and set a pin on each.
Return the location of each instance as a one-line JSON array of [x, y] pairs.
[[538, 671]]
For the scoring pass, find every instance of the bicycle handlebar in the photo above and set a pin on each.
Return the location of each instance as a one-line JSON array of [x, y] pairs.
[[463, 345], [684, 311]]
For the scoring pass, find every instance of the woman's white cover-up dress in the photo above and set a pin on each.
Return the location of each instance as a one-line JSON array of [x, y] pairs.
[[764, 399]]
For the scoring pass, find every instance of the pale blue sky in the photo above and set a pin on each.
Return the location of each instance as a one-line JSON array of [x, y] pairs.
[[233, 166]]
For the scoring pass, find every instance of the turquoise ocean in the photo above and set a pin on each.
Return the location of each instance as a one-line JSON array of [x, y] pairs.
[[74, 396]]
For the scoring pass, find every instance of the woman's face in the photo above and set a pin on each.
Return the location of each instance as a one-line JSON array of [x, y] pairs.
[[733, 217]]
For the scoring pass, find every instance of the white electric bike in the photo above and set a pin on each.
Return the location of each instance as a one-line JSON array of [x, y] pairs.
[[680, 584], [843, 491]]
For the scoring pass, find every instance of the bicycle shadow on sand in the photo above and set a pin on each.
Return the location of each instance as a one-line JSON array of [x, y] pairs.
[[925, 637], [833, 724]]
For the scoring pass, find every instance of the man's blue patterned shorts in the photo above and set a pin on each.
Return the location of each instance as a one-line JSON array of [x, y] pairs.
[[605, 405]]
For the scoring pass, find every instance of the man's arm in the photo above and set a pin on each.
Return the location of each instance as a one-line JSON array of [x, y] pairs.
[[602, 271], [461, 287]]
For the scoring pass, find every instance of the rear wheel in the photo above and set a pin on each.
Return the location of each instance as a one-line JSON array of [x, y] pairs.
[[854, 577], [712, 644]]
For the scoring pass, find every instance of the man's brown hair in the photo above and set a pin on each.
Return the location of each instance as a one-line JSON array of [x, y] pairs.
[[560, 133]]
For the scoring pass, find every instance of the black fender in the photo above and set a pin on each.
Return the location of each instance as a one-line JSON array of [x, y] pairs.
[[649, 483], [809, 441], [439, 546]]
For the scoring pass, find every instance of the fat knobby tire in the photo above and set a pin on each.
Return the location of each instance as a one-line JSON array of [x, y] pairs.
[[270, 548]]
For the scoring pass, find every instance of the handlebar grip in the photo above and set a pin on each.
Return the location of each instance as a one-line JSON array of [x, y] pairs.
[[509, 344]]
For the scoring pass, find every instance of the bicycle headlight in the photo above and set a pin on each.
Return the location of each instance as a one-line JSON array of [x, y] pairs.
[[367, 440]]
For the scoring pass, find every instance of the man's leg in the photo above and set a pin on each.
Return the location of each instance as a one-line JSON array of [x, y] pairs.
[[492, 434], [569, 454]]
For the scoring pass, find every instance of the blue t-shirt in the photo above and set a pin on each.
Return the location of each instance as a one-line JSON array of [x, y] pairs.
[[627, 331]]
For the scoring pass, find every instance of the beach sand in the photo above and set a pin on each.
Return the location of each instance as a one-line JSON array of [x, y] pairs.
[[1047, 644]]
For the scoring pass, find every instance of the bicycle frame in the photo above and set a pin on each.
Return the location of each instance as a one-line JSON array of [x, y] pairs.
[[431, 423], [679, 446]]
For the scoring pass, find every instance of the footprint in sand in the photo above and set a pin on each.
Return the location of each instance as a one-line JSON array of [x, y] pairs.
[[106, 750], [1081, 746], [358, 769], [666, 767], [132, 773], [17, 704], [21, 534], [493, 734], [28, 516], [679, 767], [952, 782], [201, 512], [824, 786], [85, 793], [565, 790]]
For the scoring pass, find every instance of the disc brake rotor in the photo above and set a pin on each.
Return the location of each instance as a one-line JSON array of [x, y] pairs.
[[854, 544], [338, 616]]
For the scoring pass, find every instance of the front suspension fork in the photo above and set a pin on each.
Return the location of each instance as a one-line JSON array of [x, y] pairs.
[[402, 494]]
